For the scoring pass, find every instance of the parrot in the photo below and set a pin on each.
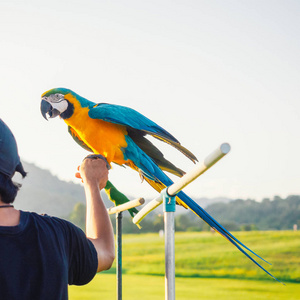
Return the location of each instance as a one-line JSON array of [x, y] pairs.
[[117, 197], [119, 133]]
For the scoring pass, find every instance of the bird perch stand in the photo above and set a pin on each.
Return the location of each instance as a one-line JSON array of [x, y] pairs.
[[168, 197], [118, 210]]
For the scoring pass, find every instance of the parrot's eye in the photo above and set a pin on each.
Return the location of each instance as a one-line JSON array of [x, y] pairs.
[[57, 98]]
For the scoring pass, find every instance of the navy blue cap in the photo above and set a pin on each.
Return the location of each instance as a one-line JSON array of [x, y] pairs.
[[9, 157]]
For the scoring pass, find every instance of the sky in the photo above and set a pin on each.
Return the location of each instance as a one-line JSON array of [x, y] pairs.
[[207, 71]]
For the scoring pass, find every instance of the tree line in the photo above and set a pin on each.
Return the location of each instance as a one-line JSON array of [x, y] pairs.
[[269, 214]]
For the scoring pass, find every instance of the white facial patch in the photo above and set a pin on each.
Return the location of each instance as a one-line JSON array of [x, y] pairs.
[[58, 102], [60, 106]]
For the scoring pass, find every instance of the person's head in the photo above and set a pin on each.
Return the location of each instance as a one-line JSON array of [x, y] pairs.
[[9, 164]]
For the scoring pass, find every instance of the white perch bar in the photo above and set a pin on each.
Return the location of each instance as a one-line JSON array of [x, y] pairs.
[[199, 169], [147, 208], [125, 206]]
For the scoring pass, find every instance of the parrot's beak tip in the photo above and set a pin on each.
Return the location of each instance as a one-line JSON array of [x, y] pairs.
[[45, 116], [45, 108]]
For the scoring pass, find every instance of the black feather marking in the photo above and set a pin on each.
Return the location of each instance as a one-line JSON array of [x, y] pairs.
[[179, 147], [139, 139], [68, 112]]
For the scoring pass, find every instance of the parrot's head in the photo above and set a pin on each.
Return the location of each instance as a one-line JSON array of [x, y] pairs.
[[62, 102], [55, 103]]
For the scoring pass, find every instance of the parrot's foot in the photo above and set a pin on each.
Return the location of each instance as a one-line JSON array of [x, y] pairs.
[[99, 156]]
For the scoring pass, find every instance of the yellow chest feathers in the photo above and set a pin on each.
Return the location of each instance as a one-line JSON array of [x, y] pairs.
[[102, 137]]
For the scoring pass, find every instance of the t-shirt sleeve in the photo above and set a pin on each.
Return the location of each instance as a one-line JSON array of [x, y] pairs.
[[83, 260]]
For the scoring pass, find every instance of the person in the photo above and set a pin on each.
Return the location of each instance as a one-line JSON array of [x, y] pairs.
[[39, 254]]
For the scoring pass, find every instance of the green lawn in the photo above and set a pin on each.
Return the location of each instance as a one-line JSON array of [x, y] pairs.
[[207, 267], [143, 287]]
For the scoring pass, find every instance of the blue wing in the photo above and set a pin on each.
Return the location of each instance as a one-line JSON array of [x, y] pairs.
[[136, 122], [128, 117]]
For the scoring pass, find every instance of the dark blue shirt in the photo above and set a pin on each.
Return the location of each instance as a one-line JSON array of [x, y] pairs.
[[41, 256]]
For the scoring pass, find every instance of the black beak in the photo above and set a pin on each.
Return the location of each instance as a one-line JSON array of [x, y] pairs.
[[46, 108]]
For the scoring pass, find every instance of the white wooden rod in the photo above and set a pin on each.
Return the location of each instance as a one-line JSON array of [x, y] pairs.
[[147, 208], [125, 206], [172, 190], [199, 169]]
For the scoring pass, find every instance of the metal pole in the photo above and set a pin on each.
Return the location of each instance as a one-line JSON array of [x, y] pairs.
[[169, 225], [119, 254], [118, 211]]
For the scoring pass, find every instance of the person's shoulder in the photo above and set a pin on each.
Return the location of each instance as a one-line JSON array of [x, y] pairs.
[[45, 219]]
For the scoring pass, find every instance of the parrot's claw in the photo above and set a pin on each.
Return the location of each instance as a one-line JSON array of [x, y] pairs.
[[99, 156]]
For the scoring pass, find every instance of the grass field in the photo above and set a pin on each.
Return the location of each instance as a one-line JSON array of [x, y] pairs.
[[207, 267]]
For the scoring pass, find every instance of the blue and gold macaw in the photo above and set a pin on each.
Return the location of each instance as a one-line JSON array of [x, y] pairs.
[[119, 134]]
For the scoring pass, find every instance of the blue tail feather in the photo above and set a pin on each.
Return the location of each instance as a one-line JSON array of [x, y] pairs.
[[210, 220], [219, 228]]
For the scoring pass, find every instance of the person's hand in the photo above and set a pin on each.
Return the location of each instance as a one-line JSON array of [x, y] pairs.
[[93, 171]]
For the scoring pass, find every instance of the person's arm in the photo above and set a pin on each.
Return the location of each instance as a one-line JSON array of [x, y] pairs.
[[99, 231]]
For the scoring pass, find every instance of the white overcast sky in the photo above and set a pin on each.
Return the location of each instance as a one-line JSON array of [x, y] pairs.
[[207, 71]]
